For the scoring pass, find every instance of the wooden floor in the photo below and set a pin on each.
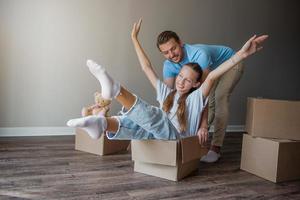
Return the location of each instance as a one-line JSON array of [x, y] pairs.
[[50, 168]]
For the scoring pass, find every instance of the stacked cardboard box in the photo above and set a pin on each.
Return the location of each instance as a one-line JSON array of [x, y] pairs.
[[101, 146], [172, 160], [271, 149]]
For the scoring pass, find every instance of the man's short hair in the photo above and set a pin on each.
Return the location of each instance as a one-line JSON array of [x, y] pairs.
[[165, 36]]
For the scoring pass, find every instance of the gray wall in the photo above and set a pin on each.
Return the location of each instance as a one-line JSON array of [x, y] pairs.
[[44, 45]]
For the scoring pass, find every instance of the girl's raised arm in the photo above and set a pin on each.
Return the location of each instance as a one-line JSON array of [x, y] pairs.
[[143, 59], [252, 46]]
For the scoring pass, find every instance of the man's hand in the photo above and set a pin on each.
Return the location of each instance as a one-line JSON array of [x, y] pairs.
[[136, 29], [202, 135]]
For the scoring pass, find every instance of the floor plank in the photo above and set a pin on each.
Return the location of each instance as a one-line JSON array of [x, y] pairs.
[[50, 168]]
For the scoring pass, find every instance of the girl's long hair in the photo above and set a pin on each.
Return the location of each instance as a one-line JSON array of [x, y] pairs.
[[181, 110]]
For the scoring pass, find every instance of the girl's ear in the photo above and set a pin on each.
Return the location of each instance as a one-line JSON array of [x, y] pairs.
[[197, 84]]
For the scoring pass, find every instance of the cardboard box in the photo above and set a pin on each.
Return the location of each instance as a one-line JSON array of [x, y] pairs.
[[272, 159], [273, 118], [101, 146], [172, 160]]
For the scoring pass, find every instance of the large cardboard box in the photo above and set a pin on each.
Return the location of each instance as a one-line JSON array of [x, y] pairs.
[[172, 160], [273, 118], [101, 146], [272, 159]]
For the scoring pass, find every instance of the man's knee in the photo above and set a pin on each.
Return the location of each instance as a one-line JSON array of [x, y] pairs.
[[222, 98]]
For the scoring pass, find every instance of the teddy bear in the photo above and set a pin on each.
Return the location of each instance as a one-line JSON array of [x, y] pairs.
[[101, 106]]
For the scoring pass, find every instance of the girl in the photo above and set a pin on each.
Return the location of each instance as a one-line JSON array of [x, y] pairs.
[[138, 119]]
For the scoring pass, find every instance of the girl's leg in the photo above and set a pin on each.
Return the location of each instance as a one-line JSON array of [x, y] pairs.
[[95, 125], [111, 88], [142, 121], [128, 130], [153, 119], [118, 128], [126, 98], [150, 118], [112, 124]]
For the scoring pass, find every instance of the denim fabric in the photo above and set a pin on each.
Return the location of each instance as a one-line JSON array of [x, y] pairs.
[[144, 121]]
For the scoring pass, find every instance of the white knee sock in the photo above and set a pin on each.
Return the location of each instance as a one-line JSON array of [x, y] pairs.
[[93, 125], [110, 88]]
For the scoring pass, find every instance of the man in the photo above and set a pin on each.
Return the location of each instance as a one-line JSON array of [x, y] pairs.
[[208, 57]]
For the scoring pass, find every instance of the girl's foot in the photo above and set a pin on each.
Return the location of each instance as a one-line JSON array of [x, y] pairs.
[[110, 88], [93, 125]]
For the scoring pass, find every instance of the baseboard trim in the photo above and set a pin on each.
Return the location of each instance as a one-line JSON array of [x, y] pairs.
[[52, 131], [35, 131], [231, 128]]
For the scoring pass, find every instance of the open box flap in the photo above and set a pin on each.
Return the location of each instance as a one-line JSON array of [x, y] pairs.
[[191, 149]]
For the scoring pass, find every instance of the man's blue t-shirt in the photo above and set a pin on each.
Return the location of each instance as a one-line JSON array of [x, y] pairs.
[[207, 56]]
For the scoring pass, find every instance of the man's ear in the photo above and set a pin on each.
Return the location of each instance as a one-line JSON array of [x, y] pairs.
[[159, 48], [180, 43]]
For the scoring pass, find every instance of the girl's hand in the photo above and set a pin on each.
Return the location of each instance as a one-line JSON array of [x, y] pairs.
[[136, 29], [202, 135], [253, 45]]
